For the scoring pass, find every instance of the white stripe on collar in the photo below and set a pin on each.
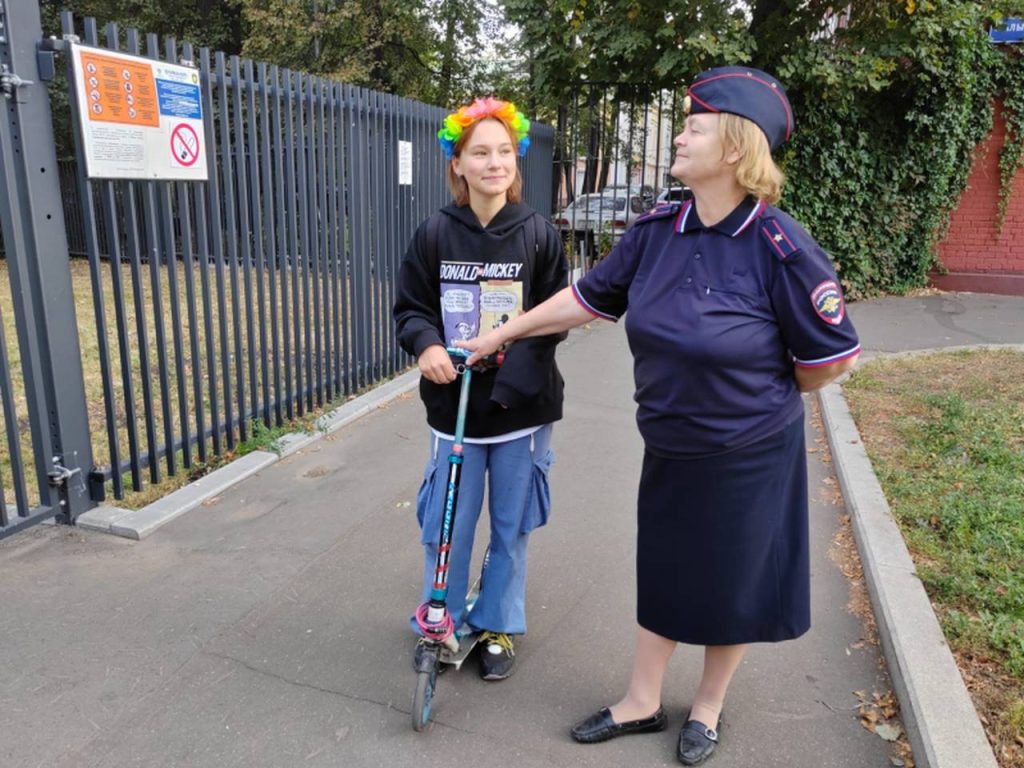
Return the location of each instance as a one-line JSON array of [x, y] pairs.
[[684, 215], [753, 215]]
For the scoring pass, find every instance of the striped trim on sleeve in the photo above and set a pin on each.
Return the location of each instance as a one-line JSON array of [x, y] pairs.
[[823, 361], [583, 303]]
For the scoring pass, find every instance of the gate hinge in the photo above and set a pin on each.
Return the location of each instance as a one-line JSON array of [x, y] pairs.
[[57, 44], [47, 65], [46, 54], [10, 82]]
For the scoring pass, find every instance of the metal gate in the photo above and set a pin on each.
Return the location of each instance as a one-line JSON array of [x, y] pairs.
[[44, 358]]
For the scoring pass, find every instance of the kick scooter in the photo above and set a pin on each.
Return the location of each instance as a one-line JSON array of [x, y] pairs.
[[443, 644]]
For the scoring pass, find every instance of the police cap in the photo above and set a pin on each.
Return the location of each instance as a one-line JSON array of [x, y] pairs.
[[746, 92]]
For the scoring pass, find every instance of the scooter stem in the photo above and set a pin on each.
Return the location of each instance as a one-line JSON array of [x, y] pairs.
[[460, 419]]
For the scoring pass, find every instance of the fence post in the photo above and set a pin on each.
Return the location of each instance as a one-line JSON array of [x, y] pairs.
[[32, 217]]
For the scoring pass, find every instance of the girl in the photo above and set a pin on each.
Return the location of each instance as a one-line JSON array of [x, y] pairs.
[[483, 259]]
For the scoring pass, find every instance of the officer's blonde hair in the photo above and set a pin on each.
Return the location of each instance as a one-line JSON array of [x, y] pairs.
[[756, 171]]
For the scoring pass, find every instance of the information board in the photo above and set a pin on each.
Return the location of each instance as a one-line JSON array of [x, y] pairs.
[[404, 163], [140, 118]]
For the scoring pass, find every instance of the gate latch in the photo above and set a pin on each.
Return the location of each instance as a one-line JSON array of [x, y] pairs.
[[10, 82], [58, 477]]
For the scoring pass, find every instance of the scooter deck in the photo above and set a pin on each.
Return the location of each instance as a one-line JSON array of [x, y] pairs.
[[467, 642], [466, 646]]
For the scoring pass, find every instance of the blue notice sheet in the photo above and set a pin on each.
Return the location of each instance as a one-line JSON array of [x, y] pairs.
[[179, 99], [1010, 31]]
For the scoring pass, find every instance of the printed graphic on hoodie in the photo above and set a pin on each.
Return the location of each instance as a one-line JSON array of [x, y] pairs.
[[475, 296]]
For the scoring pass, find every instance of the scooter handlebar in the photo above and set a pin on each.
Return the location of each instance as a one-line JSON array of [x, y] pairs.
[[491, 361]]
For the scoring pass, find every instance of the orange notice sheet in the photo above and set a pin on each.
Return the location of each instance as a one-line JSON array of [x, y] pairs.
[[119, 91]]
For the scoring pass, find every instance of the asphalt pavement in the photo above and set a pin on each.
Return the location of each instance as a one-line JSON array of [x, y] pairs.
[[268, 625]]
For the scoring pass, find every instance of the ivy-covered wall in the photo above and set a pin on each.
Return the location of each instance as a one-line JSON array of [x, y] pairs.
[[975, 242], [890, 112]]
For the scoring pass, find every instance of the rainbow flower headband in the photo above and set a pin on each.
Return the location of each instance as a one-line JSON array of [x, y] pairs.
[[480, 109]]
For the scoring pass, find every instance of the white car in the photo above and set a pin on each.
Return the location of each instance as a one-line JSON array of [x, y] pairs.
[[611, 212], [675, 193]]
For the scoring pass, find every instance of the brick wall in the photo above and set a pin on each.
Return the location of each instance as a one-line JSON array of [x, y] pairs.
[[973, 244]]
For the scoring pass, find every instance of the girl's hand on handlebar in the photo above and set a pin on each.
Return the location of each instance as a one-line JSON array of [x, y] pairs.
[[481, 346], [435, 365]]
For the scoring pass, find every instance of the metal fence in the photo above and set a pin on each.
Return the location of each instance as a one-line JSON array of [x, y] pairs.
[[202, 314], [209, 312]]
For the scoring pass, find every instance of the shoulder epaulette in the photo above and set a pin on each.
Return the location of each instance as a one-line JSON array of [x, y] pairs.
[[660, 211], [779, 241]]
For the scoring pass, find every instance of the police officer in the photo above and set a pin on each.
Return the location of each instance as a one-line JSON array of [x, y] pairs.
[[734, 310]]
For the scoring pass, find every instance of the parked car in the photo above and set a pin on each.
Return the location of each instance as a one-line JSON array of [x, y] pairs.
[[610, 211], [646, 191], [674, 194], [593, 223]]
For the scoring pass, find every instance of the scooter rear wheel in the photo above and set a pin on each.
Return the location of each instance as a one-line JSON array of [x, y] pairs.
[[423, 699]]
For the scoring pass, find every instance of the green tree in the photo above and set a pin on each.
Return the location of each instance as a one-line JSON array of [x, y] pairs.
[[387, 45], [213, 23], [438, 51], [603, 53], [891, 98], [632, 43]]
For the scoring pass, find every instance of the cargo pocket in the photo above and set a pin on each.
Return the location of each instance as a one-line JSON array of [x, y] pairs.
[[428, 505], [538, 502]]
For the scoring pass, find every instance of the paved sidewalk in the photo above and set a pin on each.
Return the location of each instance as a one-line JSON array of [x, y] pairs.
[[267, 627]]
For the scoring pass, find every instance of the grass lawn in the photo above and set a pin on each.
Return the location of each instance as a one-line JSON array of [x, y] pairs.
[[945, 434]]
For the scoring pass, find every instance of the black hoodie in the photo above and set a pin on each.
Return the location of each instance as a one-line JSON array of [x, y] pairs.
[[484, 277]]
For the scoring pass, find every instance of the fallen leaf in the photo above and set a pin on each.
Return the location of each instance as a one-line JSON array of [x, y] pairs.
[[888, 732]]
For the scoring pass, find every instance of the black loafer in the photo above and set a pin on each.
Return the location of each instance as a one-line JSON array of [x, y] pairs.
[[600, 726], [696, 742]]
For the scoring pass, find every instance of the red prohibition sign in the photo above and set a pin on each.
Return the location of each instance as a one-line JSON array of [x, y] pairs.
[[185, 144]]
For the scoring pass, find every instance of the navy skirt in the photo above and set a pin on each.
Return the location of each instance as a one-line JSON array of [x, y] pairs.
[[722, 550]]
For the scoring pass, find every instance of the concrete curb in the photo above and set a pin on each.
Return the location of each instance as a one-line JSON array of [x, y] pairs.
[[140, 523], [937, 710]]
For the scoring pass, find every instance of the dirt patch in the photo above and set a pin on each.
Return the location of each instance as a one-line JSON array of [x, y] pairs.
[[999, 700], [878, 711]]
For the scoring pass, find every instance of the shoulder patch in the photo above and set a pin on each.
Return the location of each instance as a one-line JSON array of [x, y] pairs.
[[660, 211], [779, 242], [827, 299]]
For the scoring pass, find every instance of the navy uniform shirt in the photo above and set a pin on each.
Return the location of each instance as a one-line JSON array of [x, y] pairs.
[[718, 317]]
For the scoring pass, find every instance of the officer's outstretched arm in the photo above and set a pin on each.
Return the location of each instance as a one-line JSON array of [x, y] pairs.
[[559, 313]]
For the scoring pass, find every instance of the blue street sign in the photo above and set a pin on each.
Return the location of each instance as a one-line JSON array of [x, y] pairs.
[[1010, 31]]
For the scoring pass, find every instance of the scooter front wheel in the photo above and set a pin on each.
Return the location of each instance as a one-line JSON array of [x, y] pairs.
[[423, 699]]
